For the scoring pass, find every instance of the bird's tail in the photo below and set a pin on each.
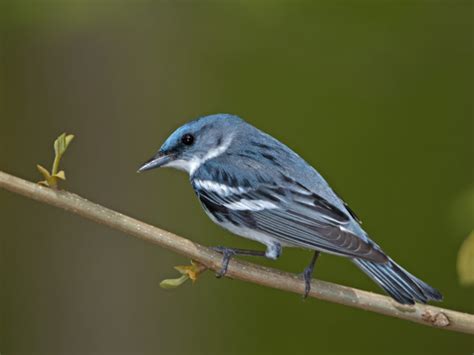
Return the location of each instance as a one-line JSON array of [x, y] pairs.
[[399, 283]]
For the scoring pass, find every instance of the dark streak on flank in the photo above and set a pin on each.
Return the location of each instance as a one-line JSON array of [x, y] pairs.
[[232, 220]]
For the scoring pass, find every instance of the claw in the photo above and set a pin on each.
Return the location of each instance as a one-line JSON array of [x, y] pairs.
[[308, 273], [307, 281], [227, 254]]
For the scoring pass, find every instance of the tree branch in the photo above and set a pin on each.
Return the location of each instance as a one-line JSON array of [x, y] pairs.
[[419, 313]]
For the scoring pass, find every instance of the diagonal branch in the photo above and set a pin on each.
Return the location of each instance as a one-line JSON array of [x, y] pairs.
[[419, 313]]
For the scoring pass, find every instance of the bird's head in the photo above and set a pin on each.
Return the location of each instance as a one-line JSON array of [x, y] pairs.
[[195, 142]]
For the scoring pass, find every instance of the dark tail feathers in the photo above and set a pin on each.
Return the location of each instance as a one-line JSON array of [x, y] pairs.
[[399, 283]]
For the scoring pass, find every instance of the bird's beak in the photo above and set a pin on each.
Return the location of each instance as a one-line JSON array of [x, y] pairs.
[[158, 160]]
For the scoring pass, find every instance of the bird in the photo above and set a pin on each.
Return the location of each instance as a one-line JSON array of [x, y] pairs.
[[256, 187]]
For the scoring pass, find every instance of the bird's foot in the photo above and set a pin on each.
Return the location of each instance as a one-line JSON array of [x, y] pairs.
[[307, 277], [227, 254], [308, 274]]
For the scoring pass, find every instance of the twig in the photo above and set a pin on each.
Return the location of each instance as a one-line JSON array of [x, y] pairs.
[[419, 313]]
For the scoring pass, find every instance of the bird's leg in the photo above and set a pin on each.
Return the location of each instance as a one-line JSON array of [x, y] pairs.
[[228, 253], [307, 274]]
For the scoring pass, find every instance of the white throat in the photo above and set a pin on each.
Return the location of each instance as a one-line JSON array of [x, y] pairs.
[[190, 166]]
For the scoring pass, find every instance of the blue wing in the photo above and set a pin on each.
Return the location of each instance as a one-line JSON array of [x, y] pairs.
[[281, 208]]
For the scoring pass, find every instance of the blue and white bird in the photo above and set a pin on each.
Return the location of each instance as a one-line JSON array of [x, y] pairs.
[[256, 187]]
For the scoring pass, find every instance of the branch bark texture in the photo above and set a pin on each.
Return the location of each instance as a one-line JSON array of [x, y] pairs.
[[423, 314]]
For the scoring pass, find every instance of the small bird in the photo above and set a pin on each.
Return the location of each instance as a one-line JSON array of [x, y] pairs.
[[256, 187]]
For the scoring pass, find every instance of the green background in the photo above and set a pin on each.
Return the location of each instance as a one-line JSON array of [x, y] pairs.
[[376, 94]]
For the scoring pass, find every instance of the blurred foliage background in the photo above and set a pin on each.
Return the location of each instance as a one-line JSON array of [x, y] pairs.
[[376, 94]]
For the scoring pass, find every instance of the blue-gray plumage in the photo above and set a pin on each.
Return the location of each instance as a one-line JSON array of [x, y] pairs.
[[256, 187]]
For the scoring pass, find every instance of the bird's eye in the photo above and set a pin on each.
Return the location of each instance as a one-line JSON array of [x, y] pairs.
[[187, 139]]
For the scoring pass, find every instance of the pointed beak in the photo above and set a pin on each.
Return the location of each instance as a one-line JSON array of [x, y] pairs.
[[158, 160]]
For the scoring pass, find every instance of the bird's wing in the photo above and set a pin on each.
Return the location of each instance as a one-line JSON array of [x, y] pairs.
[[289, 212]]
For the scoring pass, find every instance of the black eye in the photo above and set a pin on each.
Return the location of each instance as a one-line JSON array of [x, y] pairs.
[[187, 139]]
